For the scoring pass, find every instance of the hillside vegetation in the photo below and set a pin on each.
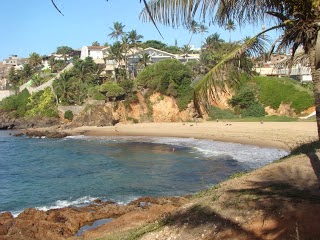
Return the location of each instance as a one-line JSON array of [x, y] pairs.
[[273, 91]]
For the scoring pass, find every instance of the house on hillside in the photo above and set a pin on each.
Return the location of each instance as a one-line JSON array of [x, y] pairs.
[[155, 55], [97, 53], [15, 61], [3, 76], [277, 65]]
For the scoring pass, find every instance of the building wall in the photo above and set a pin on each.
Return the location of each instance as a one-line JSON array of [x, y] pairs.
[[84, 52], [94, 53], [5, 93]]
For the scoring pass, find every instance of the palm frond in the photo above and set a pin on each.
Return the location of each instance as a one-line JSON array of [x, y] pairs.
[[56, 7], [219, 78], [175, 13]]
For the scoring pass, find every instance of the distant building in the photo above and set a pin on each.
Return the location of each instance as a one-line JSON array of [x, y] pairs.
[[6, 64], [14, 60], [96, 52], [277, 65]]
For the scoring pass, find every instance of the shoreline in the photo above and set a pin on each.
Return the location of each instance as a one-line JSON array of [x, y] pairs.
[[281, 135]]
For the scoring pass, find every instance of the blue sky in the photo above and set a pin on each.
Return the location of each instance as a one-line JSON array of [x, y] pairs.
[[35, 26]]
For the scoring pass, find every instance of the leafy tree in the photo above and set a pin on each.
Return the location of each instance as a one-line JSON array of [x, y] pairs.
[[64, 50], [26, 71], [95, 43], [42, 104], [95, 94], [169, 77], [17, 103], [112, 90], [13, 79], [154, 44], [172, 49]]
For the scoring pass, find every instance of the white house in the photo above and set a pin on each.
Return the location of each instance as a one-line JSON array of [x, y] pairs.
[[96, 52]]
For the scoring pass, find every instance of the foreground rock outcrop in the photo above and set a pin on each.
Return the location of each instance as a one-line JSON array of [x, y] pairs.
[[63, 223], [8, 121]]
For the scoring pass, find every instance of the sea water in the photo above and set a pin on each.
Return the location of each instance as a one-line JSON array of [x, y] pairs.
[[54, 173]]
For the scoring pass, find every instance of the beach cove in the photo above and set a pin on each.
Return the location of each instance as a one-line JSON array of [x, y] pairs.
[[280, 135]]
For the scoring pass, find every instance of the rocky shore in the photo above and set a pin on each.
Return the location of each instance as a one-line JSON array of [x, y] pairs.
[[9, 122], [64, 223]]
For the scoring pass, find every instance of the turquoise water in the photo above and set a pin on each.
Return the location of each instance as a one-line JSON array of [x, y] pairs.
[[54, 173]]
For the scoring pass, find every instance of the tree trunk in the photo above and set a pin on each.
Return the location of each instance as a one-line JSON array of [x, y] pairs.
[[317, 53], [315, 72]]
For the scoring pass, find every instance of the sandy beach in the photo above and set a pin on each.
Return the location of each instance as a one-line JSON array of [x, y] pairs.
[[283, 135]]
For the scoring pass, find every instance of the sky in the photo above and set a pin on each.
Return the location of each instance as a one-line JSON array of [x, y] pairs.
[[36, 26]]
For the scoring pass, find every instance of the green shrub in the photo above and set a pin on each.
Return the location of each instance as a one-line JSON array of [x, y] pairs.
[[218, 113], [273, 91], [244, 98], [68, 115], [95, 94], [17, 103], [128, 85], [255, 110], [111, 89], [168, 77], [134, 120], [42, 104]]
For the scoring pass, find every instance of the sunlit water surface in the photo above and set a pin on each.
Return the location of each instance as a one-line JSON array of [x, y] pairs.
[[54, 173]]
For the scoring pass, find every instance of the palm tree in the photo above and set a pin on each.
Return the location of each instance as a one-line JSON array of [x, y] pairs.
[[186, 50], [125, 49], [193, 27], [134, 38], [202, 29], [299, 22], [95, 43], [35, 60], [230, 26], [144, 60], [117, 30]]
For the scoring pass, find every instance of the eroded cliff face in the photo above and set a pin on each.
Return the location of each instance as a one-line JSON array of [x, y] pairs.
[[156, 108], [160, 108]]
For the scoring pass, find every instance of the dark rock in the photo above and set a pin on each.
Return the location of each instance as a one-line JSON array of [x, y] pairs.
[[18, 134], [47, 134]]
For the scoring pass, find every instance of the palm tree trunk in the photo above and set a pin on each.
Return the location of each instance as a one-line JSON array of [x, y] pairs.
[[315, 72]]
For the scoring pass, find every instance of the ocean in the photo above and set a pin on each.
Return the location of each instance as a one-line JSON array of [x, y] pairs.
[[55, 173]]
